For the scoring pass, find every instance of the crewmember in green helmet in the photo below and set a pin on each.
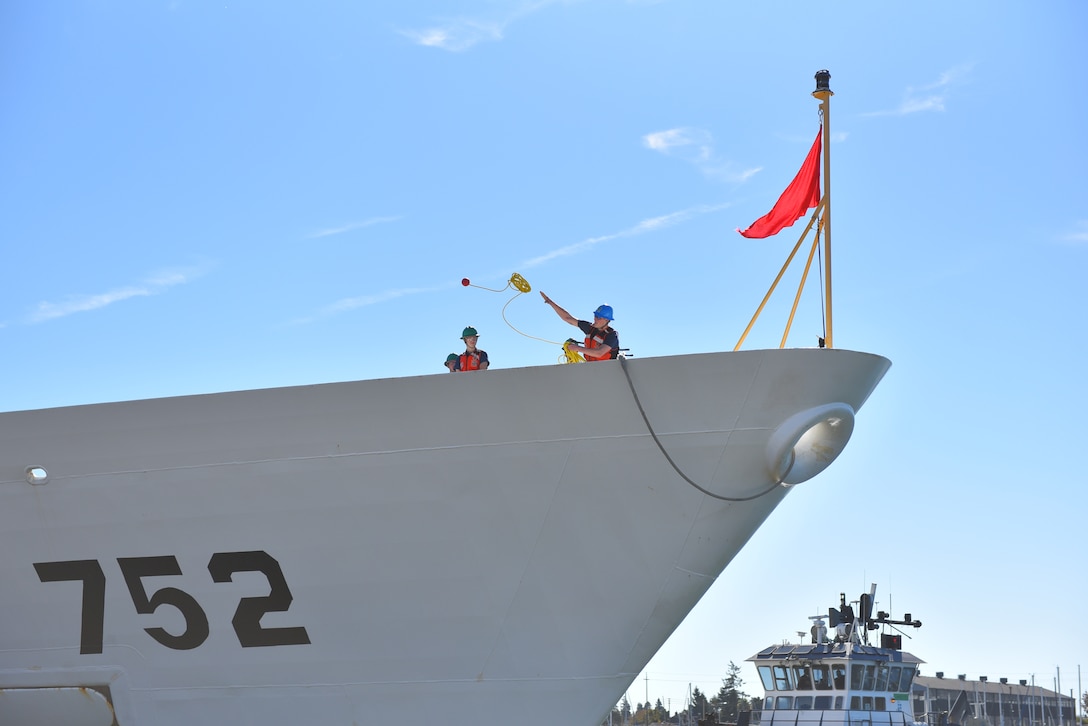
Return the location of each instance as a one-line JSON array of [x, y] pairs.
[[473, 359]]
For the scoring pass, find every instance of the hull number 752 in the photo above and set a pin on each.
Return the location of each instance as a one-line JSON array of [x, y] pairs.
[[222, 566]]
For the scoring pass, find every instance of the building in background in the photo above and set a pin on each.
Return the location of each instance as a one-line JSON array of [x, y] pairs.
[[941, 701]]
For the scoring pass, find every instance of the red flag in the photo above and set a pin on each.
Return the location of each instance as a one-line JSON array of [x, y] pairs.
[[801, 195]]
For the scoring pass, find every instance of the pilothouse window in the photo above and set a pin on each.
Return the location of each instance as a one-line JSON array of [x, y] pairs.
[[906, 680], [893, 678], [857, 676], [765, 676], [881, 677], [870, 678], [781, 678], [804, 679], [838, 676]]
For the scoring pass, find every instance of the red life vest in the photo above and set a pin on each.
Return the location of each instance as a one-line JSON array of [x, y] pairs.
[[470, 361], [596, 340]]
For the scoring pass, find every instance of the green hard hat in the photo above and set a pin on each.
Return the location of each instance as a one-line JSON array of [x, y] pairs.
[[468, 331], [451, 356]]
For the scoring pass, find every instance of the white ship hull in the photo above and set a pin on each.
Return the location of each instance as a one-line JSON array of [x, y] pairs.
[[506, 546]]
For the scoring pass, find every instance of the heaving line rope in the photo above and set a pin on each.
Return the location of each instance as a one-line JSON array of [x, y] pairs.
[[661, 447], [522, 286]]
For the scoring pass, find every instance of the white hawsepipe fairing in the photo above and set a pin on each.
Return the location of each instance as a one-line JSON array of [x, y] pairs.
[[807, 442]]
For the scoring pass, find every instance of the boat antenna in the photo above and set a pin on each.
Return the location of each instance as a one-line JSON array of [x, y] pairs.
[[884, 618]]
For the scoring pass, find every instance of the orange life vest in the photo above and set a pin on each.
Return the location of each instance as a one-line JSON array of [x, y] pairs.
[[596, 340], [470, 361]]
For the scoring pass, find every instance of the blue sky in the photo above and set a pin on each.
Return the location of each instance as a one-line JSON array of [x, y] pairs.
[[201, 197]]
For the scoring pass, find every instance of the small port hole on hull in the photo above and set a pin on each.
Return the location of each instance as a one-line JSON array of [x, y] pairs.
[[36, 475]]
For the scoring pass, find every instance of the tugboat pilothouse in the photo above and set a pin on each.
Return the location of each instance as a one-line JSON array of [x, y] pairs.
[[838, 677]]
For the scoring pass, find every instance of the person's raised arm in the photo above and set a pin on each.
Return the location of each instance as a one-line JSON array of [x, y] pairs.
[[559, 311]]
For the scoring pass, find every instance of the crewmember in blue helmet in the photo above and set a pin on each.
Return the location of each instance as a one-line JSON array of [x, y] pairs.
[[602, 342]]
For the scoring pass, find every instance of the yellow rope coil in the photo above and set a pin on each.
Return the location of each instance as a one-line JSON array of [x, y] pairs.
[[516, 281], [520, 283]]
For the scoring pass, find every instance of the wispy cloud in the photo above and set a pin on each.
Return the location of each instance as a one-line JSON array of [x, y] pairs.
[[457, 35], [697, 143], [1079, 237], [696, 146], [653, 224], [153, 285], [353, 303], [930, 97], [460, 34], [348, 227]]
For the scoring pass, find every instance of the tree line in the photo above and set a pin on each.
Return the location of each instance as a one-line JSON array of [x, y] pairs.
[[724, 707]]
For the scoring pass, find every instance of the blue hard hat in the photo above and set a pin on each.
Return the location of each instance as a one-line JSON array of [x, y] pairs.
[[604, 311]]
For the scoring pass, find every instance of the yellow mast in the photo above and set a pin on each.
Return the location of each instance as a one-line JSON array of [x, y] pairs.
[[823, 93], [822, 214]]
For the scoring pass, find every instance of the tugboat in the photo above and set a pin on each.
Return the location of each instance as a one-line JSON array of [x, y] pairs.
[[839, 678]]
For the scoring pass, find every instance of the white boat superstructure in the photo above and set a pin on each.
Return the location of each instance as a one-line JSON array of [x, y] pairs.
[[476, 546], [839, 678]]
